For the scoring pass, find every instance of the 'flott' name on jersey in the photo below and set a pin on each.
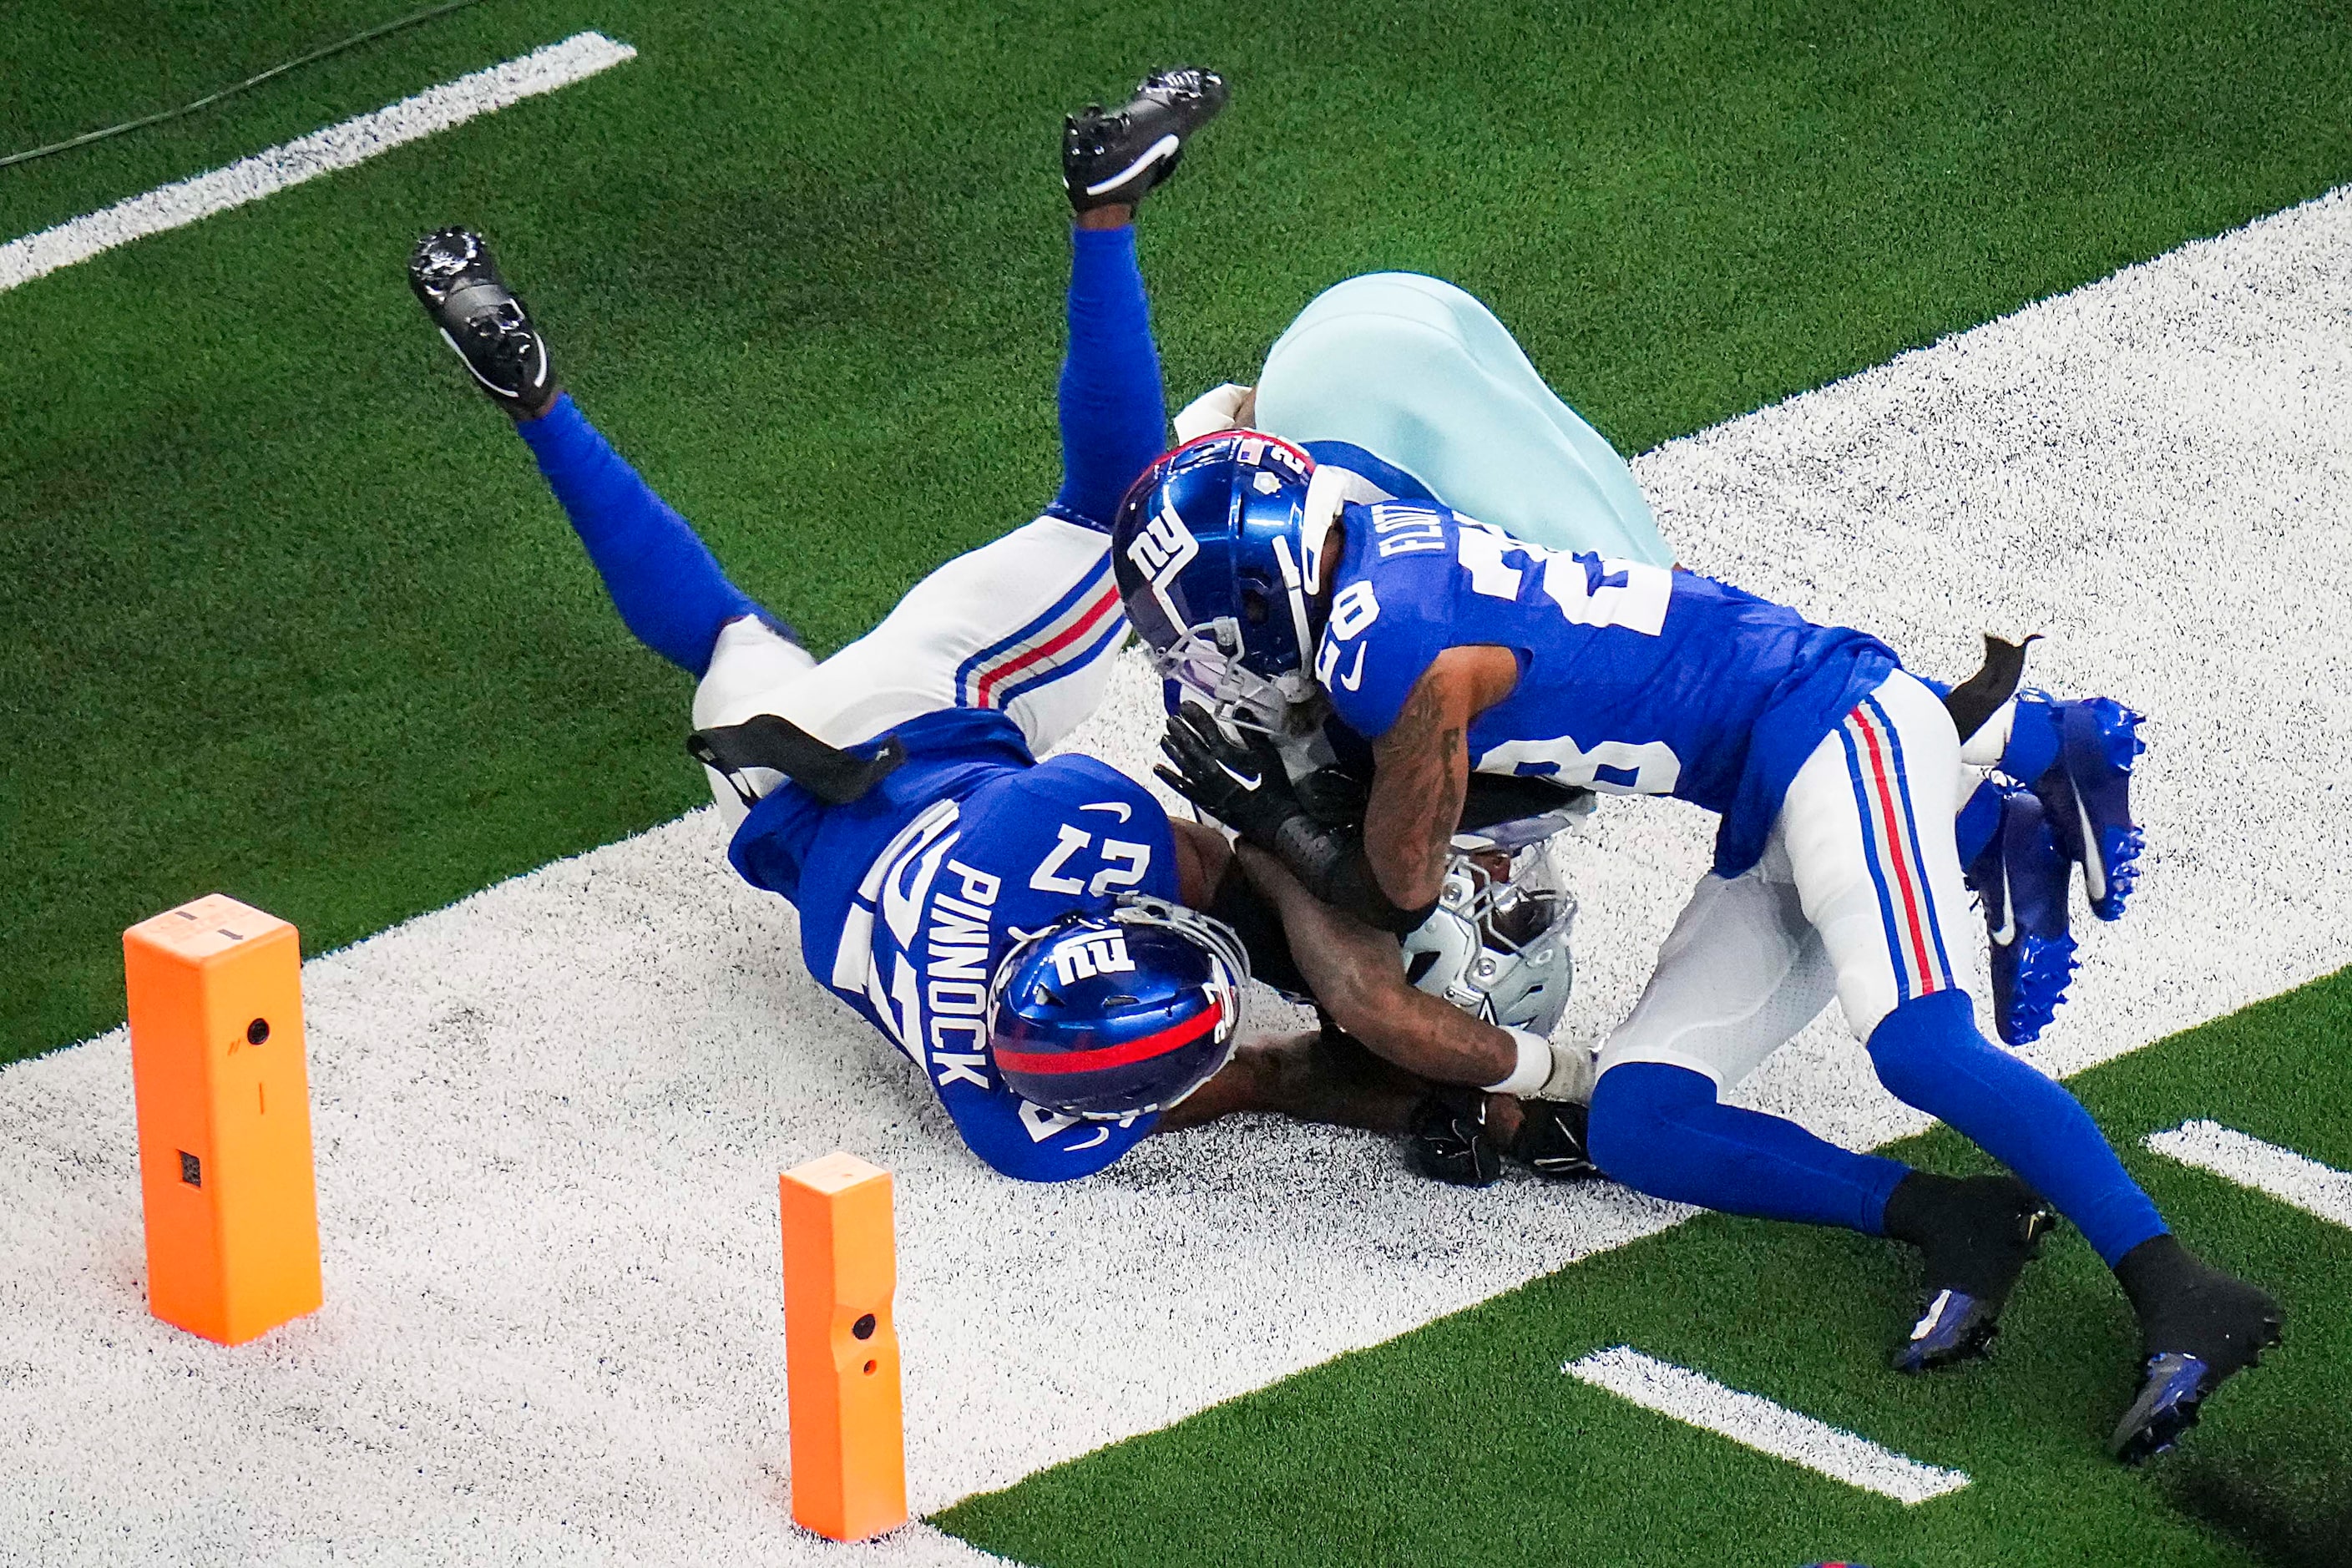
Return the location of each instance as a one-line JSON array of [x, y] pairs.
[[1632, 678]]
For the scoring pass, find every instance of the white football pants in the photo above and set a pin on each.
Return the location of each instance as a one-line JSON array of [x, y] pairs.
[[1858, 896], [1026, 625]]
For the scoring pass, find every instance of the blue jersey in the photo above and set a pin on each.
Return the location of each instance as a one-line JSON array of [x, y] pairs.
[[910, 897], [1632, 678]]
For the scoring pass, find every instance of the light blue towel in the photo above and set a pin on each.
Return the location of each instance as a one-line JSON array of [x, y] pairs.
[[1421, 377]]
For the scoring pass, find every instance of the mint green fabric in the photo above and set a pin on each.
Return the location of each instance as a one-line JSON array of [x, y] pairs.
[[1422, 376]]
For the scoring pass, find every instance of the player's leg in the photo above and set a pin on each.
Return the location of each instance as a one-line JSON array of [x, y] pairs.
[[1741, 973], [1738, 975], [1879, 876], [1863, 827], [663, 579], [664, 583], [1028, 623], [1422, 376]]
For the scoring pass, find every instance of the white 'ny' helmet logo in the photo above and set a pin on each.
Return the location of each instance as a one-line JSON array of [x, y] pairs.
[[1104, 955], [1164, 547]]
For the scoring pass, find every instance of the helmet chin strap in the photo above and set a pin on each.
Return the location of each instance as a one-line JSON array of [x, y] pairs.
[[1295, 591], [1328, 489], [1325, 495]]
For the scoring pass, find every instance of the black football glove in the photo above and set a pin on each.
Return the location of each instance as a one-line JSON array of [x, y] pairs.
[[1450, 1141], [1241, 783], [1244, 784], [1554, 1140]]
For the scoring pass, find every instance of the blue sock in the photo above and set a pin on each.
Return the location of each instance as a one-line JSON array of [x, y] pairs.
[[1979, 820], [2034, 738], [1661, 1130], [1114, 420], [1929, 1054], [662, 578]]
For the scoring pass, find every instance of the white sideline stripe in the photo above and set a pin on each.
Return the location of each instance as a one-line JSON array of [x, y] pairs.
[[1697, 1400], [265, 173], [2307, 1185]]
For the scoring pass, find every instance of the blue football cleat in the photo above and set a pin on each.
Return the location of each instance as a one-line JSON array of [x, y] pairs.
[[2021, 877], [2086, 789], [1975, 1235], [2173, 1387], [1957, 1327], [2200, 1326]]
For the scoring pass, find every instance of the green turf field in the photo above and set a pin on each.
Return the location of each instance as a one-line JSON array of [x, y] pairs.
[[1463, 1442], [290, 617]]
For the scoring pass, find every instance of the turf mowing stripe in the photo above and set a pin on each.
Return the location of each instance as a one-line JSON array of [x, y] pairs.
[[1697, 1400], [266, 173], [2313, 1188]]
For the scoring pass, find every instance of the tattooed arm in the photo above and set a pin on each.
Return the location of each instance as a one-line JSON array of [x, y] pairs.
[[1420, 769]]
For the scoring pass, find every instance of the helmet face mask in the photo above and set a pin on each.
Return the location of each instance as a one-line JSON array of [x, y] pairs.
[[1203, 661], [1206, 549], [1118, 1011]]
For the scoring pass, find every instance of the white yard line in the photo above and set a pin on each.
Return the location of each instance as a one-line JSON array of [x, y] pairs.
[[2307, 1185], [265, 173], [549, 1118], [1755, 1422]]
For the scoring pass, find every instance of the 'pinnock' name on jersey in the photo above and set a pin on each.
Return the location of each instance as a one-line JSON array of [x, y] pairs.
[[910, 897]]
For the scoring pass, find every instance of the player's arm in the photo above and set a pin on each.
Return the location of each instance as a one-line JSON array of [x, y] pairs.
[[1203, 860], [1421, 770], [1302, 1077], [1358, 975]]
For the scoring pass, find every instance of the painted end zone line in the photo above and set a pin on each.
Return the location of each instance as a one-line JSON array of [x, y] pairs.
[[1755, 1421], [2313, 1188], [184, 202]]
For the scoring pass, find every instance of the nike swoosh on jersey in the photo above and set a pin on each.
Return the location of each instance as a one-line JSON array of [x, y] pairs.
[[1355, 676]]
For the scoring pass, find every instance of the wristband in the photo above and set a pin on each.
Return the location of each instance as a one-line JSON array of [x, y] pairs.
[[1534, 1069], [1571, 1074]]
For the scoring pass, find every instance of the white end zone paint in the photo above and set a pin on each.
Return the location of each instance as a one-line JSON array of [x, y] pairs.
[[266, 173], [549, 1118], [1755, 1422], [2316, 1189]]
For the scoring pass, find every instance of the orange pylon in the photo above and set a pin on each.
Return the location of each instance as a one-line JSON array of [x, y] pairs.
[[224, 1102], [841, 1351]]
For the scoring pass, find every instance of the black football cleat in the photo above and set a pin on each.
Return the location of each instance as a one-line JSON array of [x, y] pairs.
[[1113, 157], [2200, 1327], [1974, 1237], [455, 279], [1450, 1139], [1553, 1140]]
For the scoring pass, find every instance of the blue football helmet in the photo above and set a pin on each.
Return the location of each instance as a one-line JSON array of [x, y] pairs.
[[1113, 1012], [1206, 548]]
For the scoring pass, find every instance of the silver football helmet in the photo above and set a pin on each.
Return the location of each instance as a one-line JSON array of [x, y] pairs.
[[1497, 945]]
